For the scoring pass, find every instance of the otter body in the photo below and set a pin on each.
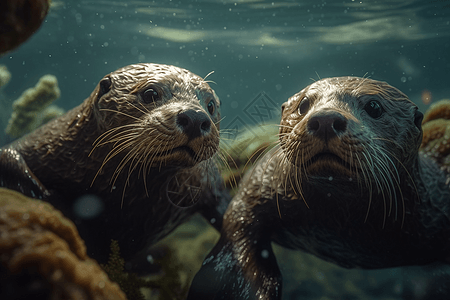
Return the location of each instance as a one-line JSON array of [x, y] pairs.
[[133, 161], [346, 183]]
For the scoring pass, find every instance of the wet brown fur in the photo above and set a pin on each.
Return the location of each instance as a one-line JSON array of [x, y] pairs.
[[132, 153], [360, 195]]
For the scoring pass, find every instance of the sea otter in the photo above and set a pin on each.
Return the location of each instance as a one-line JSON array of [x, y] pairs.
[[133, 161], [347, 182]]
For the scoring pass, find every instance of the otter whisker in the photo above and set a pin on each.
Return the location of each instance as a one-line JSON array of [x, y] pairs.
[[220, 120], [297, 171], [168, 151], [223, 159], [388, 140], [368, 183], [369, 160], [398, 183], [227, 131], [121, 165], [210, 73], [393, 176], [278, 205], [145, 166], [385, 170], [120, 145], [318, 77], [142, 111], [137, 157], [261, 153], [381, 182], [114, 151], [265, 170], [133, 161], [146, 151], [117, 138], [110, 131], [150, 161], [121, 112], [132, 157], [98, 142]]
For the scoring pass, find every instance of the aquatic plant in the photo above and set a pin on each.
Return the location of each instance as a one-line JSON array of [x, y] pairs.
[[29, 110], [167, 284], [129, 283], [5, 75]]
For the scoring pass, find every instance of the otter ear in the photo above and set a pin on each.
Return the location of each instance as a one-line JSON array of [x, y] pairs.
[[418, 117], [104, 86]]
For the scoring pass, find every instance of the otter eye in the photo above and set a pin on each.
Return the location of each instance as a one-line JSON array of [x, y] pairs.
[[150, 95], [304, 106], [374, 109], [211, 107]]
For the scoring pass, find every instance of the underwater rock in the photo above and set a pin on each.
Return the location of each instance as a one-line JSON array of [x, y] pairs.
[[31, 110], [38, 245], [19, 19]]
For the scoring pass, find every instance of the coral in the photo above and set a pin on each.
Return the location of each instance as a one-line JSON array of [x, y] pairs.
[[50, 113], [5, 75], [30, 110], [37, 239], [436, 133], [439, 110]]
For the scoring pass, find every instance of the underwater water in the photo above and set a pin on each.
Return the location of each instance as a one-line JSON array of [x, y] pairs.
[[261, 53]]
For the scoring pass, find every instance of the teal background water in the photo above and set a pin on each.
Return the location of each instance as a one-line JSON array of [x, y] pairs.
[[253, 47]]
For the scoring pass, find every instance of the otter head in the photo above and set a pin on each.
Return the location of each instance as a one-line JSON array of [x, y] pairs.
[[352, 128], [157, 119], [159, 115]]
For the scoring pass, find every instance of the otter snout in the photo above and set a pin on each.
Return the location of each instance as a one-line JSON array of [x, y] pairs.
[[194, 123], [327, 124]]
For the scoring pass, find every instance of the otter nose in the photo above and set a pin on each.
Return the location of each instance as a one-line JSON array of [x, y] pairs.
[[194, 123], [326, 125]]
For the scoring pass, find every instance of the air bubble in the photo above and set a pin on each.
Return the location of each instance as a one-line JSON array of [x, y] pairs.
[[150, 259], [88, 206]]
